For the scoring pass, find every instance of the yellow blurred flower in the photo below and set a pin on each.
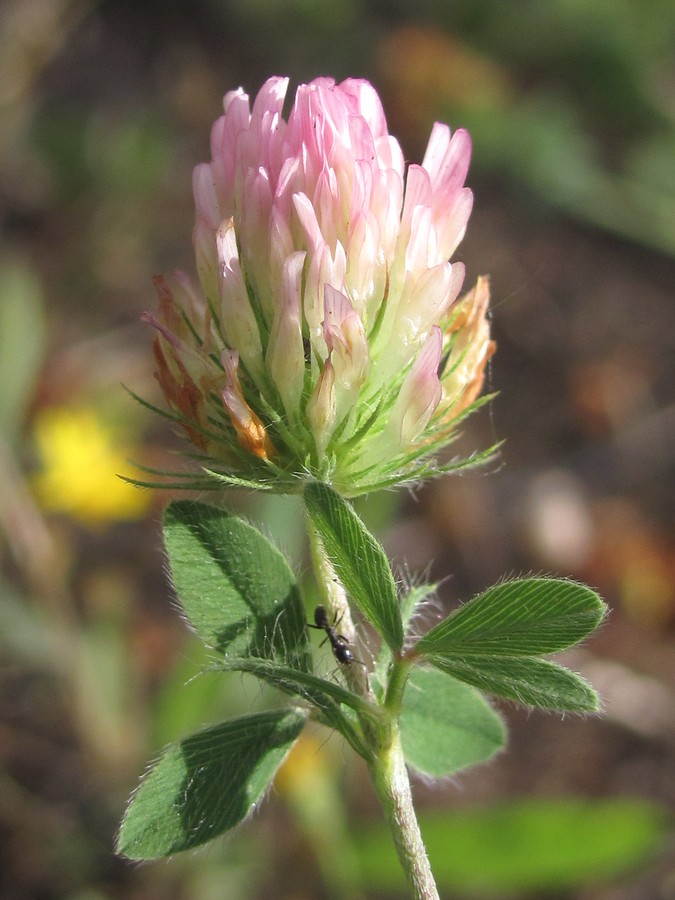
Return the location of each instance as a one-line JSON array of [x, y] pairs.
[[80, 459], [305, 770]]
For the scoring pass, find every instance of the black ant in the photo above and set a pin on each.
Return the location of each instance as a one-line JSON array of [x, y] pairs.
[[338, 642]]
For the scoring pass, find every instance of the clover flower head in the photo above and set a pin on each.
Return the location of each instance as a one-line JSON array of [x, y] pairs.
[[326, 337]]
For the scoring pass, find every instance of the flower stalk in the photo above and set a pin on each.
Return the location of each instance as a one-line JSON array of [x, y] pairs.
[[392, 785], [385, 760]]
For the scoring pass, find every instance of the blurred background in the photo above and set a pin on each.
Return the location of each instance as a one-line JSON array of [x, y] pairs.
[[106, 107]]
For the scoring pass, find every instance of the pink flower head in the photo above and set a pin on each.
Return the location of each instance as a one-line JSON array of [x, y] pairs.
[[325, 338]]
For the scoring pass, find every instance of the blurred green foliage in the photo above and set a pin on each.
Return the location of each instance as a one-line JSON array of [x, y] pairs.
[[532, 845], [22, 342]]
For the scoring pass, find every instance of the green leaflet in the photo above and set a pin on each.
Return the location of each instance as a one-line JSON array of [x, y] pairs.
[[446, 725], [524, 617], [493, 642], [310, 687], [327, 696], [530, 681], [205, 784], [236, 588], [358, 559]]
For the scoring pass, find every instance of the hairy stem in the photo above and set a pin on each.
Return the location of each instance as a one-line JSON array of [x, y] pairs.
[[398, 676], [334, 597], [331, 589], [386, 764], [392, 785]]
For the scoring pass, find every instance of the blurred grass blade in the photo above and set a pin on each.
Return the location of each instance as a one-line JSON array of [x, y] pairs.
[[205, 784], [538, 847], [22, 342], [358, 559]]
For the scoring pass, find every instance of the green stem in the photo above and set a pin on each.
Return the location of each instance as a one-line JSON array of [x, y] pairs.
[[386, 763], [392, 785], [331, 590], [396, 685]]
